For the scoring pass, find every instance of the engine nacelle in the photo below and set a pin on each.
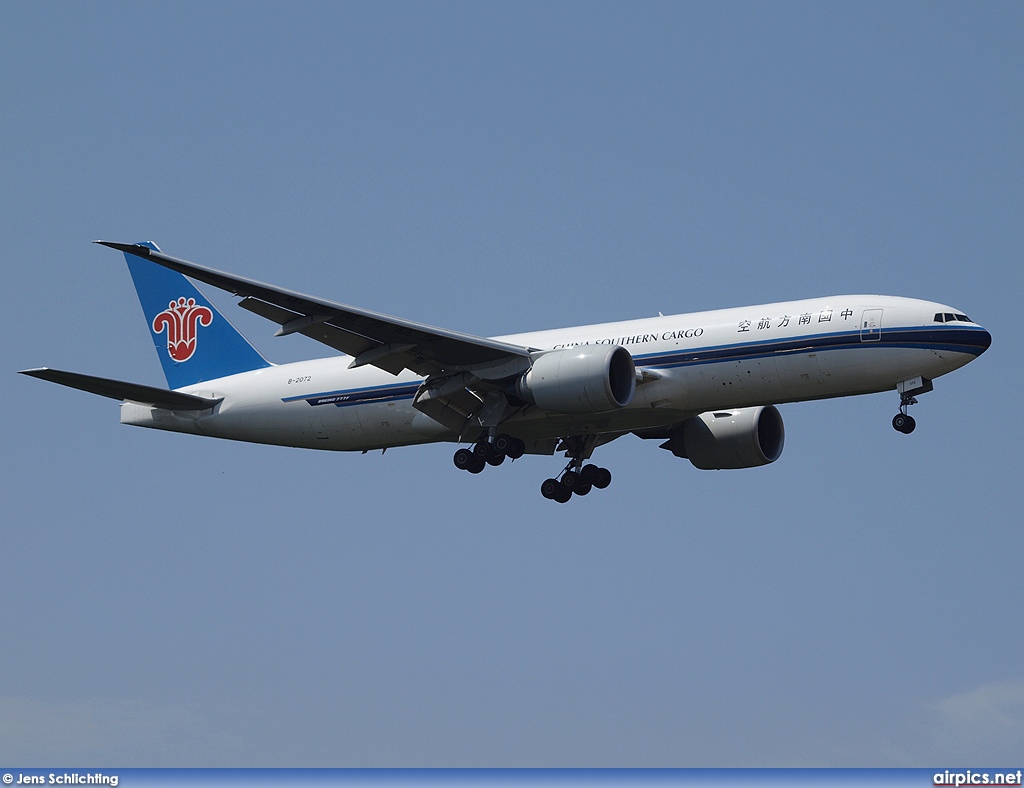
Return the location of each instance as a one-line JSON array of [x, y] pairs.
[[737, 438], [582, 379]]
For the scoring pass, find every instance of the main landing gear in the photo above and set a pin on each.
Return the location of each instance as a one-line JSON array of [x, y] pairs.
[[486, 452], [573, 482], [575, 479]]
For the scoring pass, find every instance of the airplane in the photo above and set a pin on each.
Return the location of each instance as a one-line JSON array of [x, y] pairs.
[[706, 384]]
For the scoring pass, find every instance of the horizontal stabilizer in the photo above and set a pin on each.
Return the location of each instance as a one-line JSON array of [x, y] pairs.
[[119, 389]]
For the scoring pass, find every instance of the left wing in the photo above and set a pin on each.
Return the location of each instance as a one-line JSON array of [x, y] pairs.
[[463, 372], [390, 343]]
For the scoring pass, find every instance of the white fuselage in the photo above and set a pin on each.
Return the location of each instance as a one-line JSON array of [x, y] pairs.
[[690, 364]]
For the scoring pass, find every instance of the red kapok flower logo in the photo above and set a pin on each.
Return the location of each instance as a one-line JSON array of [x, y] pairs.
[[180, 320]]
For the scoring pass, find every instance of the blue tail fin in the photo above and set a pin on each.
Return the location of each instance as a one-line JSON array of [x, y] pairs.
[[195, 342]]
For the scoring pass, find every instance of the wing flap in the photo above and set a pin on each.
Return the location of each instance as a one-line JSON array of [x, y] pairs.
[[119, 389]]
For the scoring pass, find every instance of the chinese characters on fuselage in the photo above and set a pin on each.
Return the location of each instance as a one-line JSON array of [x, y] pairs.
[[824, 316]]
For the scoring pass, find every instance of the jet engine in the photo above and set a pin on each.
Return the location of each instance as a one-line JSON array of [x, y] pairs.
[[737, 438], [582, 379]]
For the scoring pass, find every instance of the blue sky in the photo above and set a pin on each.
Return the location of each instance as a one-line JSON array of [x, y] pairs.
[[494, 168]]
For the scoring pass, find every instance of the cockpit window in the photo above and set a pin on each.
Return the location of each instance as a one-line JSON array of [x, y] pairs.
[[949, 317]]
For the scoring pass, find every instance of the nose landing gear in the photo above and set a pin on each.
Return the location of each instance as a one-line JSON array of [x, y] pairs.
[[902, 421]]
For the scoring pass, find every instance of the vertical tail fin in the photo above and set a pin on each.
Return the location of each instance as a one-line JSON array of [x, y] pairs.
[[194, 341]]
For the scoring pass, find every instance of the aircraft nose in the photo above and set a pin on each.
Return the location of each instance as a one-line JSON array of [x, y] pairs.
[[984, 341]]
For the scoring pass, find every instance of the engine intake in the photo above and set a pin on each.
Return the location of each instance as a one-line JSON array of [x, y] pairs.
[[583, 379], [738, 438]]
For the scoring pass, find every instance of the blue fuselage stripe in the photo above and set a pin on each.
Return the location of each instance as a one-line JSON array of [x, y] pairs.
[[394, 391], [960, 340]]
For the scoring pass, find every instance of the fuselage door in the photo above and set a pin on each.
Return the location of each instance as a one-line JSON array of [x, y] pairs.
[[871, 325]]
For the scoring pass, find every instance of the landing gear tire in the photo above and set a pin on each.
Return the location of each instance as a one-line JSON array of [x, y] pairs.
[[589, 477], [901, 422], [597, 476], [464, 459], [549, 488], [484, 453], [481, 450], [513, 448], [554, 490]]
